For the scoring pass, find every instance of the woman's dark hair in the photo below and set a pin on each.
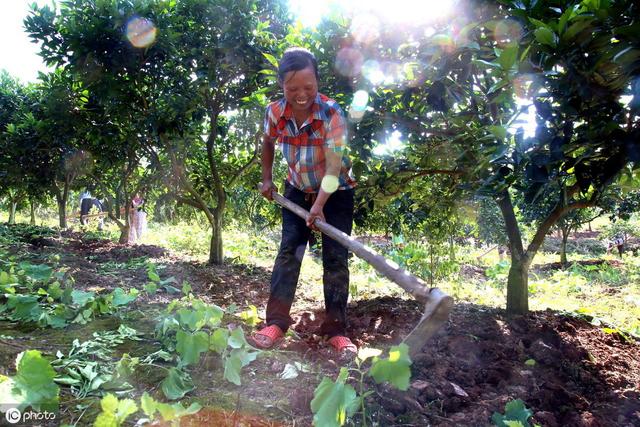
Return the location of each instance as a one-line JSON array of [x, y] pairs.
[[296, 59]]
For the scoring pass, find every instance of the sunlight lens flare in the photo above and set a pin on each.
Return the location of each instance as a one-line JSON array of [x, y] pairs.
[[507, 31], [330, 183], [141, 32], [360, 100], [358, 105], [365, 28], [349, 62]]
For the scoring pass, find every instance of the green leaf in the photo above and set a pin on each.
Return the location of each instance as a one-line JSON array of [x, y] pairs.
[[546, 36], [151, 288], [237, 339], [186, 288], [114, 411], [395, 369], [190, 345], [120, 297], [530, 362], [192, 319], [153, 276], [250, 316], [81, 298], [33, 385], [218, 340], [508, 56], [176, 384], [233, 364], [272, 60], [38, 272], [148, 405], [515, 412], [333, 402]]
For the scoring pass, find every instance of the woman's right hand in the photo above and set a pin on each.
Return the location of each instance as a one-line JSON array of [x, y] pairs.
[[267, 188]]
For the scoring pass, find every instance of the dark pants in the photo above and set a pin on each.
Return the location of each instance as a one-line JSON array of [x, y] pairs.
[[85, 207], [338, 211]]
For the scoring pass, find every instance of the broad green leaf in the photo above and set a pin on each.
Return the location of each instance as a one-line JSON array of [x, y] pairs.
[[120, 297], [250, 316], [333, 402], [176, 384], [38, 272], [395, 369], [237, 339], [33, 385], [514, 412], [234, 363], [508, 56], [148, 405], [219, 339], [114, 411], [192, 319], [546, 36], [81, 298], [170, 412], [190, 345], [153, 276]]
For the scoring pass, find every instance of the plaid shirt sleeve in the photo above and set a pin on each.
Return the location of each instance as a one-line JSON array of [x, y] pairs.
[[270, 123], [336, 131]]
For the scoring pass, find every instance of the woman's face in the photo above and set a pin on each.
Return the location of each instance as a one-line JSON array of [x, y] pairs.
[[300, 89]]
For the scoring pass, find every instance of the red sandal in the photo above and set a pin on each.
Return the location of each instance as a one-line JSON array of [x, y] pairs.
[[268, 337], [343, 345]]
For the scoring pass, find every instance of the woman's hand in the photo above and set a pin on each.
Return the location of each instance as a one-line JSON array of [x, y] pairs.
[[315, 213], [267, 188]]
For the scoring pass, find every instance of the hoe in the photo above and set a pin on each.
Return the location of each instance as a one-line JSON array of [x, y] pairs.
[[438, 305]]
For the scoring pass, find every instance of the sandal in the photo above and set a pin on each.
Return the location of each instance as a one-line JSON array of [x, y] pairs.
[[343, 345], [268, 337]]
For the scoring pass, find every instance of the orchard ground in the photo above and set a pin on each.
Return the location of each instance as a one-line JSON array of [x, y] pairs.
[[574, 360]]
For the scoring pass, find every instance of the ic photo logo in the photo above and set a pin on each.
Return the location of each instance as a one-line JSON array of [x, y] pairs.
[[13, 415]]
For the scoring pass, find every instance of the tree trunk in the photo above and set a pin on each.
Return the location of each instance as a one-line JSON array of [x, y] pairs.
[[124, 234], [12, 212], [216, 256], [518, 287], [563, 246], [33, 212]]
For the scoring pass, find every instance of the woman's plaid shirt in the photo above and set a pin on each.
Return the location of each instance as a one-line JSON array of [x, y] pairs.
[[303, 148]]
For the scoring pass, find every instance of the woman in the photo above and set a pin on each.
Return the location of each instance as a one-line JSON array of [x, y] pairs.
[[311, 129], [137, 219]]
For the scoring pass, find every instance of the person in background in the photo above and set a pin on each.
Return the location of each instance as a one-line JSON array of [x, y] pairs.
[[311, 130], [137, 219]]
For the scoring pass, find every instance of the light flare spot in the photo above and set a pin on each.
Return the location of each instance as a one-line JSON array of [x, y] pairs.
[[349, 62], [360, 100], [508, 31], [365, 28], [141, 32], [330, 183], [372, 72]]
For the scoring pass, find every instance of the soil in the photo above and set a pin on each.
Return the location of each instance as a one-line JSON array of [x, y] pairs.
[[566, 370]]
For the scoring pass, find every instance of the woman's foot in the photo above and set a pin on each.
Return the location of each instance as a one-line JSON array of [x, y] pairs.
[[343, 346], [268, 337]]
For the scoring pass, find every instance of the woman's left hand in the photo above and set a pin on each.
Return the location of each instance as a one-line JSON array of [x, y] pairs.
[[314, 212]]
